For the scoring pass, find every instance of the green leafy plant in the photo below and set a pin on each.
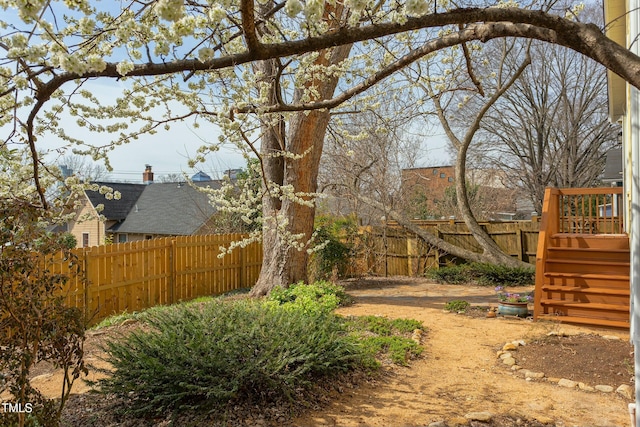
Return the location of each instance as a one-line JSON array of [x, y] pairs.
[[35, 324], [318, 297], [382, 337], [335, 240], [457, 306], [399, 349], [203, 356]]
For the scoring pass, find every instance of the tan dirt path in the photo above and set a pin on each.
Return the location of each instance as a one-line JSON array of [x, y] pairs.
[[459, 373]]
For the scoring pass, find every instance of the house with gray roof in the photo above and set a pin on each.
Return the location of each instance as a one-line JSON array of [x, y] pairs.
[[144, 211]]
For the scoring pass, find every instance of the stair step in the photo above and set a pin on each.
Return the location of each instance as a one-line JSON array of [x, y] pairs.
[[559, 248], [584, 305], [587, 276], [585, 290], [590, 236], [595, 241], [586, 321], [587, 262]]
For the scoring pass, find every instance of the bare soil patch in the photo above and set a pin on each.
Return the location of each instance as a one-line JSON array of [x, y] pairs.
[[459, 373]]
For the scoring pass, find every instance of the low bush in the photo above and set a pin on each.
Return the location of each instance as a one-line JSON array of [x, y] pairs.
[[318, 297], [456, 305], [203, 356], [492, 275], [455, 274], [382, 337], [199, 357], [484, 274]]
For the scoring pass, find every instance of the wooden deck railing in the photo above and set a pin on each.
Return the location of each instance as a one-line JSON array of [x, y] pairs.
[[588, 210]]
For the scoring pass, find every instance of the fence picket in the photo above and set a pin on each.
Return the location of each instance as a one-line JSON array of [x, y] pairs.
[[137, 275]]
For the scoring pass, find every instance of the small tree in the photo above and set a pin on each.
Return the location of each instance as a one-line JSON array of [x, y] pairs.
[[35, 324]]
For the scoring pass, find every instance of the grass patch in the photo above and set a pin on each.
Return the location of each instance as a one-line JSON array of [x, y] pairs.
[[398, 349], [384, 338]]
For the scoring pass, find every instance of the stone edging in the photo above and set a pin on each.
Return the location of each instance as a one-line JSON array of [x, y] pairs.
[[508, 359]]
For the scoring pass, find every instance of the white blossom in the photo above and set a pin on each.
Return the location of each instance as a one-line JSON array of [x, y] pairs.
[[170, 10], [124, 67], [293, 8], [416, 7], [205, 54]]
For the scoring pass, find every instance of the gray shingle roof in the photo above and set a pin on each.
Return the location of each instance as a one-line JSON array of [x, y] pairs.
[[169, 209], [117, 210]]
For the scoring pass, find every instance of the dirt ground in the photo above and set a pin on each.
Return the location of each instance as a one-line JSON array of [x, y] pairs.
[[460, 372]]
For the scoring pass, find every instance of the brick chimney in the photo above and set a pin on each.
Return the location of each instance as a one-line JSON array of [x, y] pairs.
[[147, 175]]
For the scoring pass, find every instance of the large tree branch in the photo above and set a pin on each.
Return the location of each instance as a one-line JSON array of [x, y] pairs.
[[587, 39], [424, 235], [487, 24], [247, 12]]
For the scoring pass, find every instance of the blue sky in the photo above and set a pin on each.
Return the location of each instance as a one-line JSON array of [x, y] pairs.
[[167, 151]]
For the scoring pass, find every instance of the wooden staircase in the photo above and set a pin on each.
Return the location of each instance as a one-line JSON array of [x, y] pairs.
[[581, 278]]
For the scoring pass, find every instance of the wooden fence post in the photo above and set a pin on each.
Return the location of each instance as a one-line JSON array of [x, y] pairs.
[[243, 266], [85, 268], [520, 243], [172, 271], [437, 249], [412, 255]]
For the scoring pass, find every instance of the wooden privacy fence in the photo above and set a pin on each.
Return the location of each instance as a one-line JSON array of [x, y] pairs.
[[391, 250], [137, 275]]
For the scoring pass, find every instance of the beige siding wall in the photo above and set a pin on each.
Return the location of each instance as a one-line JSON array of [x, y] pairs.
[[87, 222]]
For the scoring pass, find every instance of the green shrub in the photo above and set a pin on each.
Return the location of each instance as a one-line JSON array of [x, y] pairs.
[[334, 237], [203, 356], [382, 337], [457, 305], [484, 274], [499, 275], [318, 297], [455, 274]]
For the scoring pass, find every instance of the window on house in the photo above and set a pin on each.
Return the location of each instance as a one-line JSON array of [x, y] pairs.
[[435, 171], [450, 179], [85, 240], [122, 238], [148, 237], [442, 175]]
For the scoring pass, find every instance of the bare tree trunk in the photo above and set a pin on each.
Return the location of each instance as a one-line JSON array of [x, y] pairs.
[[492, 252], [282, 262], [289, 223], [403, 221]]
